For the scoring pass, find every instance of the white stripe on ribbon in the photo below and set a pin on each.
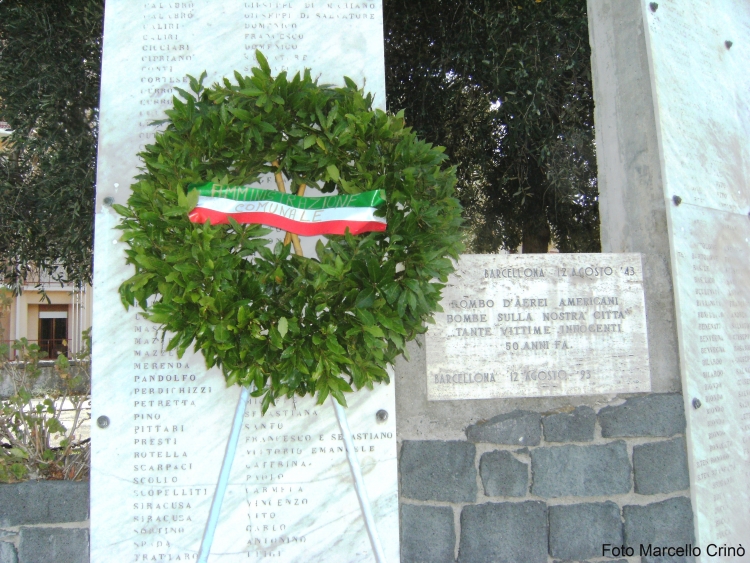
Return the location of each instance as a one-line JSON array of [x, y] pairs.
[[230, 206]]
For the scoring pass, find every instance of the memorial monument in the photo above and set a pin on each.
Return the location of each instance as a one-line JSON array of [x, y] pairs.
[[533, 388], [163, 422]]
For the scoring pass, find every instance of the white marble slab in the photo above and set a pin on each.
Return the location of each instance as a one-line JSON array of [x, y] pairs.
[[713, 300], [701, 90], [699, 53], [539, 326], [155, 466], [291, 489], [150, 47]]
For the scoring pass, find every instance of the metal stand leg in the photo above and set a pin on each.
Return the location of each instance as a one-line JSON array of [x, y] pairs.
[[221, 486], [359, 482]]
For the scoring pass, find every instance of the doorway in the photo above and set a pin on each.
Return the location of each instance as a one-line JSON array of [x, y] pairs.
[[53, 330]]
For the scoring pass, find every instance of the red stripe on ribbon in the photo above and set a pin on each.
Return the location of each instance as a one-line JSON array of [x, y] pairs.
[[201, 215]]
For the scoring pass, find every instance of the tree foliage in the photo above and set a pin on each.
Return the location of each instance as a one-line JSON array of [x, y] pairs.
[[50, 58], [505, 85]]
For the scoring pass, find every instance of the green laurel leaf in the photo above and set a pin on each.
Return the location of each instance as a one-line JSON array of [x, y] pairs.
[[283, 326]]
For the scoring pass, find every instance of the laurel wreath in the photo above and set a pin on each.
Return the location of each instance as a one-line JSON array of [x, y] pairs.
[[271, 319]]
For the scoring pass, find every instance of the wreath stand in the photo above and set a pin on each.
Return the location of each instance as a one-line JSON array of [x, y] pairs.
[[226, 466]]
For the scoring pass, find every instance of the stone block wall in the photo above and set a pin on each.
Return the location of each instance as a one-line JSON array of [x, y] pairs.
[[530, 487], [523, 487], [44, 522]]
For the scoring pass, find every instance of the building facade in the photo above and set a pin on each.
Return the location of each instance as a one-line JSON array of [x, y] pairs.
[[55, 319]]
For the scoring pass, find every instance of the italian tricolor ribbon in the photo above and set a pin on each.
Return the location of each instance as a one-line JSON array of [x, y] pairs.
[[307, 216]]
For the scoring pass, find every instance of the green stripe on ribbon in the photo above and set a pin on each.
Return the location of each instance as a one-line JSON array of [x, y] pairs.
[[372, 198]]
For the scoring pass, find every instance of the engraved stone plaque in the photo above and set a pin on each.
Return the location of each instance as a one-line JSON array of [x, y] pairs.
[[155, 467], [539, 326], [699, 53]]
